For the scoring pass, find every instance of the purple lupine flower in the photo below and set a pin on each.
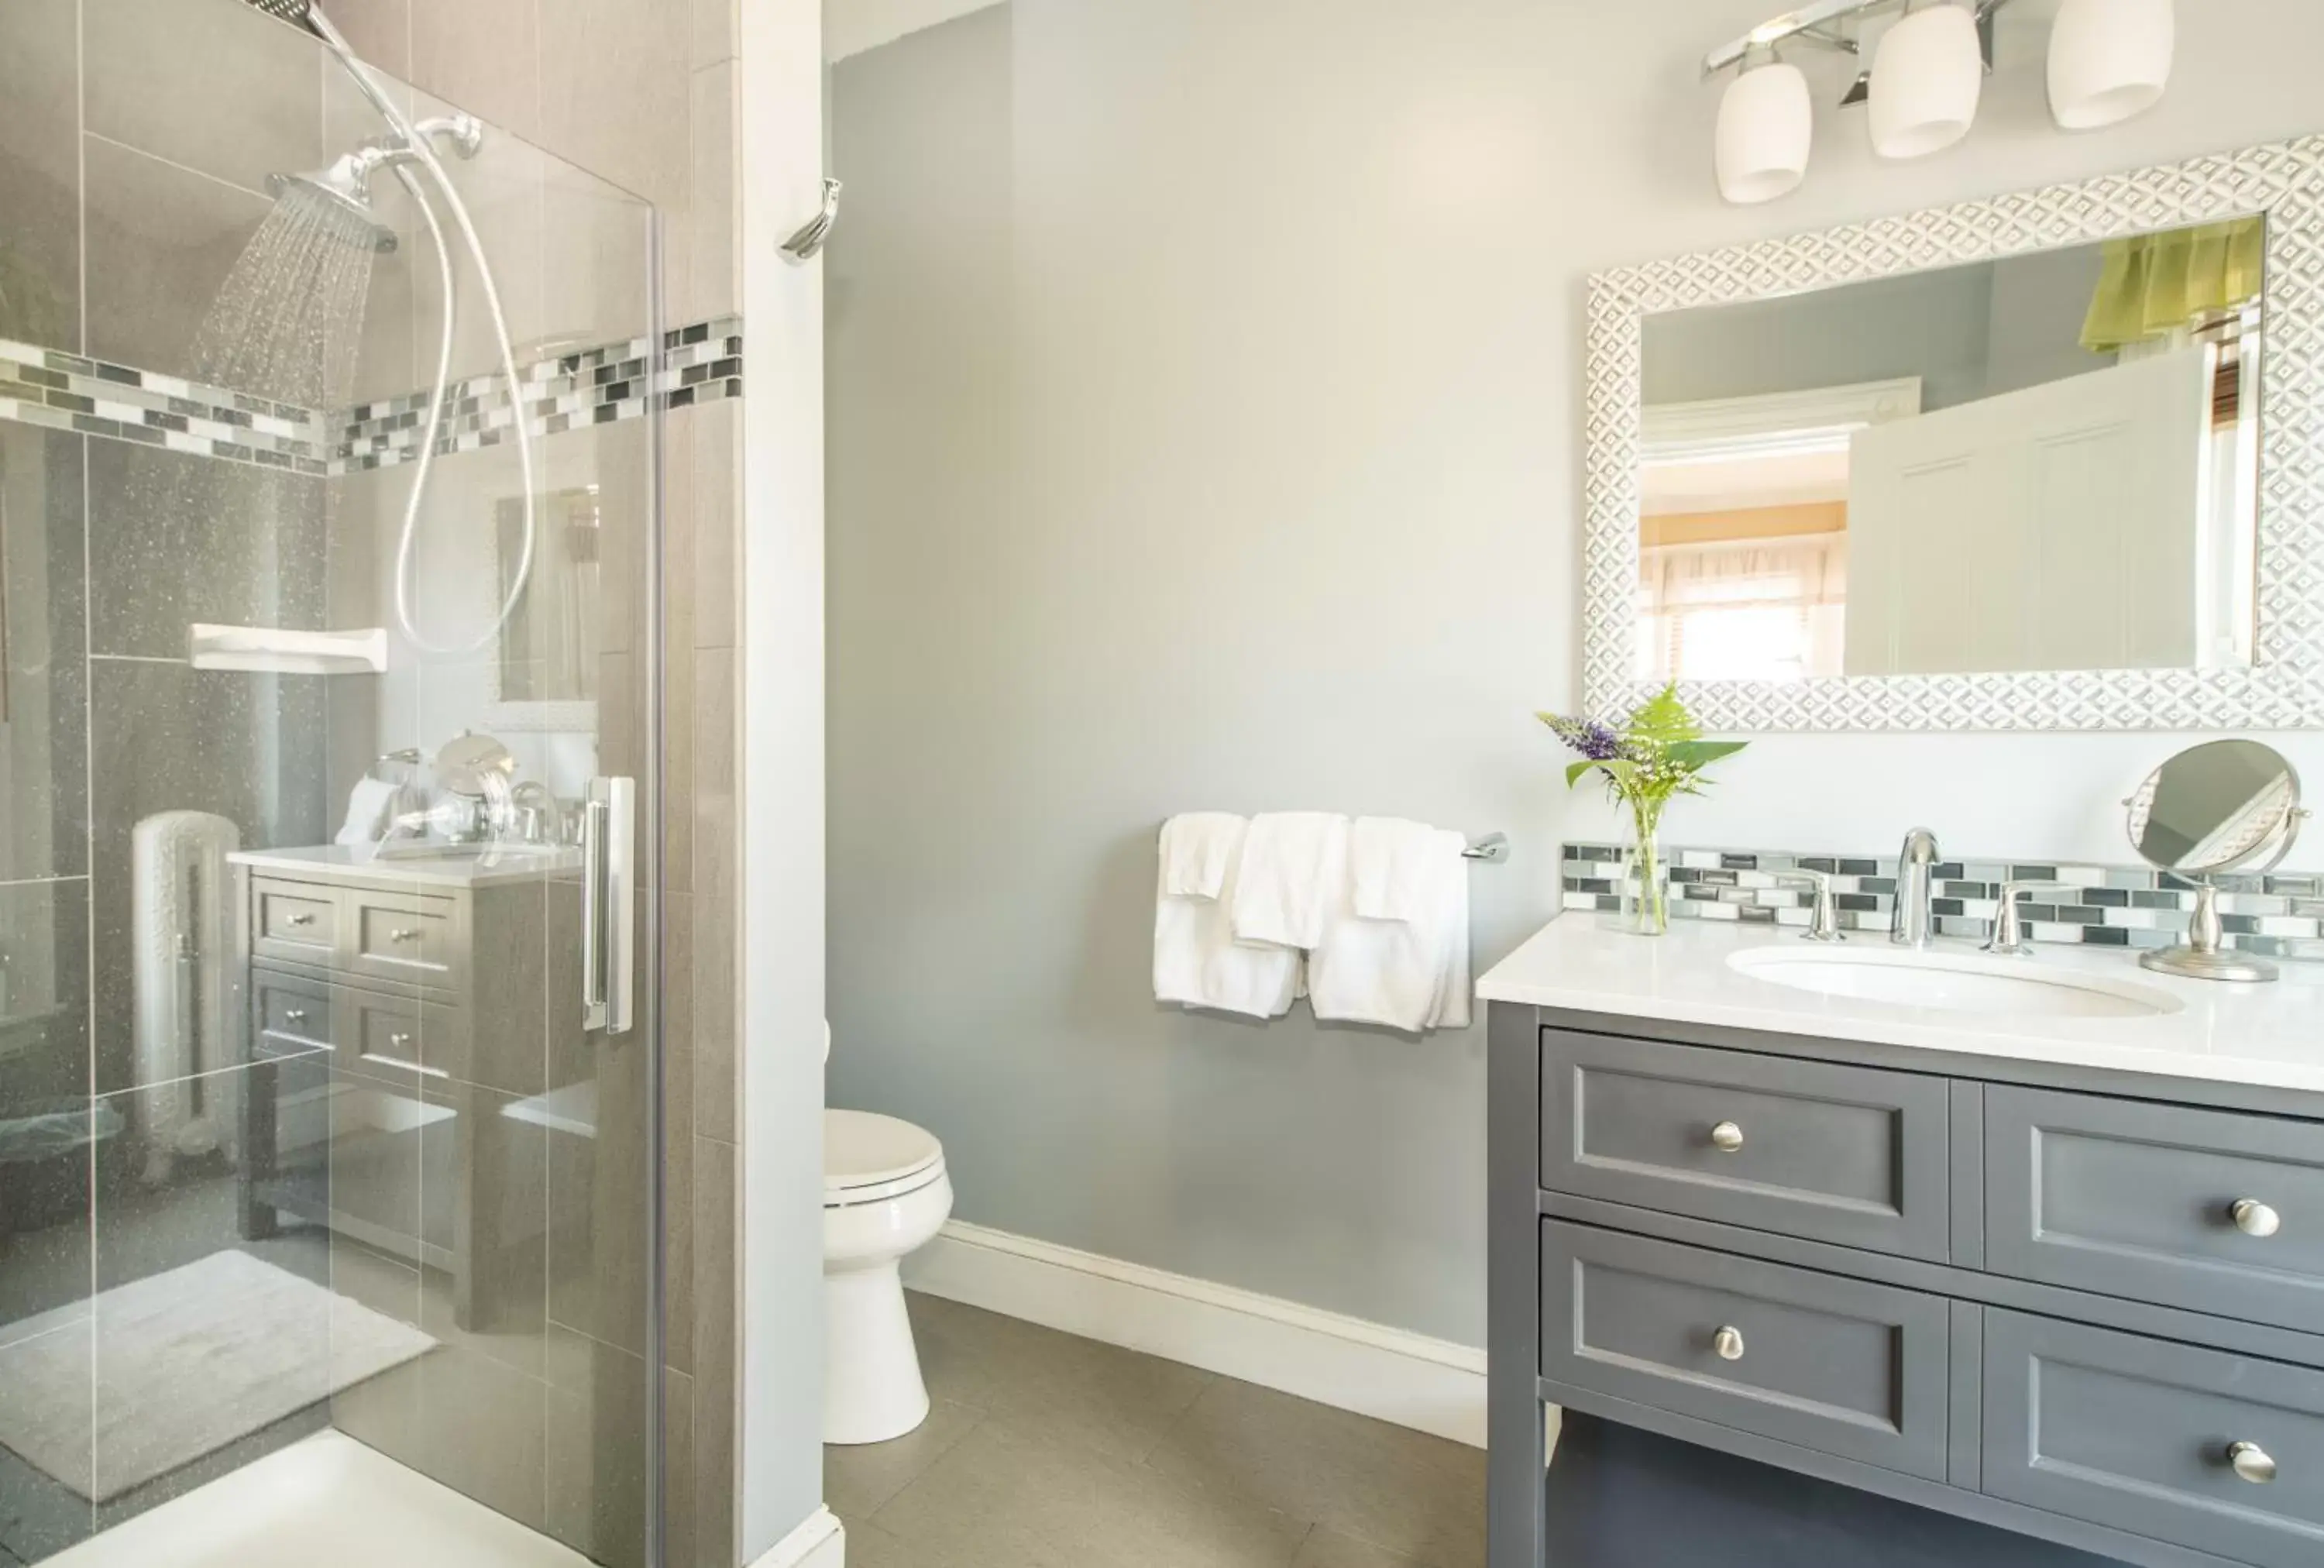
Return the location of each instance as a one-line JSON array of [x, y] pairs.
[[1594, 740], [1597, 742]]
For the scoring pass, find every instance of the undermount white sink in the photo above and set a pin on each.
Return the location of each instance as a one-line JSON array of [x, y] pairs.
[[1951, 982]]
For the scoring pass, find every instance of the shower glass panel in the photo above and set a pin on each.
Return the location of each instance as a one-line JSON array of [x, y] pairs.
[[329, 1029]]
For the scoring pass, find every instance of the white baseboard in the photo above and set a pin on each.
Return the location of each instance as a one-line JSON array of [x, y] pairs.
[[820, 1543], [1407, 1379]]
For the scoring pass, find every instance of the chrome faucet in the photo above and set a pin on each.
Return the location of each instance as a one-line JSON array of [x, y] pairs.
[[1912, 925]]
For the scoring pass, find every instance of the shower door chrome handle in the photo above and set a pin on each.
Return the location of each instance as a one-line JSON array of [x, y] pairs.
[[608, 905]]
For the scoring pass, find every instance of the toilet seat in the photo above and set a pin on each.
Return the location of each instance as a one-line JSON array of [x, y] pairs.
[[868, 1158]]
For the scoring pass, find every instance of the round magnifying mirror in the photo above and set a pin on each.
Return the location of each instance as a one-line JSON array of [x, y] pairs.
[[2224, 807], [468, 761]]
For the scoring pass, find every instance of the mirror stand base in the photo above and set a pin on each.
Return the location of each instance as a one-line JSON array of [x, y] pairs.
[[2209, 963]]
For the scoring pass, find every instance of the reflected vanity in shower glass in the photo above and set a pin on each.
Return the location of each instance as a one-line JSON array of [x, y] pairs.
[[304, 1137], [2044, 462]]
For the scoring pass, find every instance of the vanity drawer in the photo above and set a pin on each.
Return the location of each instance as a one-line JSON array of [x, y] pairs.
[[399, 936], [400, 1035], [2127, 1198], [293, 1015], [297, 922], [2136, 1434], [1815, 1149], [1825, 1362]]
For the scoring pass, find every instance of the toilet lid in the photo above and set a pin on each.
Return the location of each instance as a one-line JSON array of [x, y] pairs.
[[860, 1149]]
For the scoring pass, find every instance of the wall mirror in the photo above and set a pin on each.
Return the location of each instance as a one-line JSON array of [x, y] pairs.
[[2048, 461]]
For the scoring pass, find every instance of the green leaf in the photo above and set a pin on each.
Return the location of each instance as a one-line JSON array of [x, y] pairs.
[[1662, 720], [1618, 770], [1693, 755]]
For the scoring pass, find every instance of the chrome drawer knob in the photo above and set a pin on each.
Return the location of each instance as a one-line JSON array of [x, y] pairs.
[[1728, 1343], [400, 1042], [2253, 1218], [2251, 1462], [297, 1015], [1727, 1138], [403, 933], [303, 919]]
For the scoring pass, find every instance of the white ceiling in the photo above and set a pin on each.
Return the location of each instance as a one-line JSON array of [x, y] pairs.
[[852, 26]]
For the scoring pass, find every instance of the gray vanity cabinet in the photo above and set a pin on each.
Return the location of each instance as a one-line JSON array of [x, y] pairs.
[[424, 1024], [2082, 1306]]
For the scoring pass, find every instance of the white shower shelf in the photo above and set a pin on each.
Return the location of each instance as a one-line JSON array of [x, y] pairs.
[[274, 650]]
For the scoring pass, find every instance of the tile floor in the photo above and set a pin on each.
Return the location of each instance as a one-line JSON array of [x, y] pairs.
[[1045, 1451]]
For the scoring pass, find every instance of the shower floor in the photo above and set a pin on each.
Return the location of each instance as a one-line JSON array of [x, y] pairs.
[[327, 1499]]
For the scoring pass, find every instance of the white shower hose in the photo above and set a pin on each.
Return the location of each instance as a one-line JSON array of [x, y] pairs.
[[407, 543]]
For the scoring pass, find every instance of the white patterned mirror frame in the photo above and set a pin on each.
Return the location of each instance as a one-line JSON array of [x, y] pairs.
[[2284, 687]]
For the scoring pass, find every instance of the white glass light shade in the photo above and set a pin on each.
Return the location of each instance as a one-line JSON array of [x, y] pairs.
[[1926, 80], [2109, 59], [1766, 121]]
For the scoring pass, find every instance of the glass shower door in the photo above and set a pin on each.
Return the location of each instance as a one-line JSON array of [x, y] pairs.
[[329, 1095]]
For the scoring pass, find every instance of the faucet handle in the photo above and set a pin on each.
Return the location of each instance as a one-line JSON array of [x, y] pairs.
[[1823, 922], [2008, 939]]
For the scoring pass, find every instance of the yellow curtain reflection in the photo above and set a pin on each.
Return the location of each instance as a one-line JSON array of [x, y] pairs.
[[2157, 284]]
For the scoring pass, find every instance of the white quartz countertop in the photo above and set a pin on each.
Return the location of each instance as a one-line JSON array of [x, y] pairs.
[[2263, 1036], [487, 868]]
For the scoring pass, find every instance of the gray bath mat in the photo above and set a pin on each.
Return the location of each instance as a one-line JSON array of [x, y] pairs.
[[180, 1364]]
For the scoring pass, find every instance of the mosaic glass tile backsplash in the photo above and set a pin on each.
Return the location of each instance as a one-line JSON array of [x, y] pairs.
[[2280, 916], [697, 363]]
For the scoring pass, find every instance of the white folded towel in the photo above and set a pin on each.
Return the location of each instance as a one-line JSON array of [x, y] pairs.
[[367, 808], [1197, 963], [1196, 849], [1294, 876], [1402, 975], [1388, 868]]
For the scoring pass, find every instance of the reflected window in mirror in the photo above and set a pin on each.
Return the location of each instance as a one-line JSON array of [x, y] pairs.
[[2044, 462]]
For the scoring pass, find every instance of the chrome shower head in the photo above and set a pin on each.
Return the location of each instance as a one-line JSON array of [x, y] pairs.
[[344, 189]]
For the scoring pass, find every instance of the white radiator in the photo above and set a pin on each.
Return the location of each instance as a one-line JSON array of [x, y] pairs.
[[184, 1025]]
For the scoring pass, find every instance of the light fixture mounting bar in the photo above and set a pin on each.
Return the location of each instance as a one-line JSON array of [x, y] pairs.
[[1813, 24]]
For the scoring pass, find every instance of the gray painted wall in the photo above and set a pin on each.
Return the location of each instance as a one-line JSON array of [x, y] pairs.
[[1204, 391]]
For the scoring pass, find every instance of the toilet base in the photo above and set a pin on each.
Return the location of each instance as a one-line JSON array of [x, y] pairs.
[[872, 1391]]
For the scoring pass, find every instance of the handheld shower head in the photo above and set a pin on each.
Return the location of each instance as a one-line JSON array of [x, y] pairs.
[[295, 12]]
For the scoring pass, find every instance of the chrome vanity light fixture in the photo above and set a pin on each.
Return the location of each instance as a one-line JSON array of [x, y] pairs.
[[2108, 60], [2225, 806]]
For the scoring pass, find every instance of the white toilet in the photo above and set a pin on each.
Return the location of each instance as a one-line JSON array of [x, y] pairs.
[[885, 1194]]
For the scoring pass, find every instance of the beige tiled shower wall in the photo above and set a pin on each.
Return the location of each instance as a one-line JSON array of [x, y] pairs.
[[643, 93]]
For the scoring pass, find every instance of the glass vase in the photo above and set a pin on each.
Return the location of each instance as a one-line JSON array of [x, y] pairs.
[[1646, 889]]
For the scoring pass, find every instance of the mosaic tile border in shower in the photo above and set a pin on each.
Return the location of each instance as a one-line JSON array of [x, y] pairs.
[[67, 392], [2277, 916], [700, 362]]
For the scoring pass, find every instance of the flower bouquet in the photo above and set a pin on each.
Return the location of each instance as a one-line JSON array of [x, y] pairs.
[[1657, 754]]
